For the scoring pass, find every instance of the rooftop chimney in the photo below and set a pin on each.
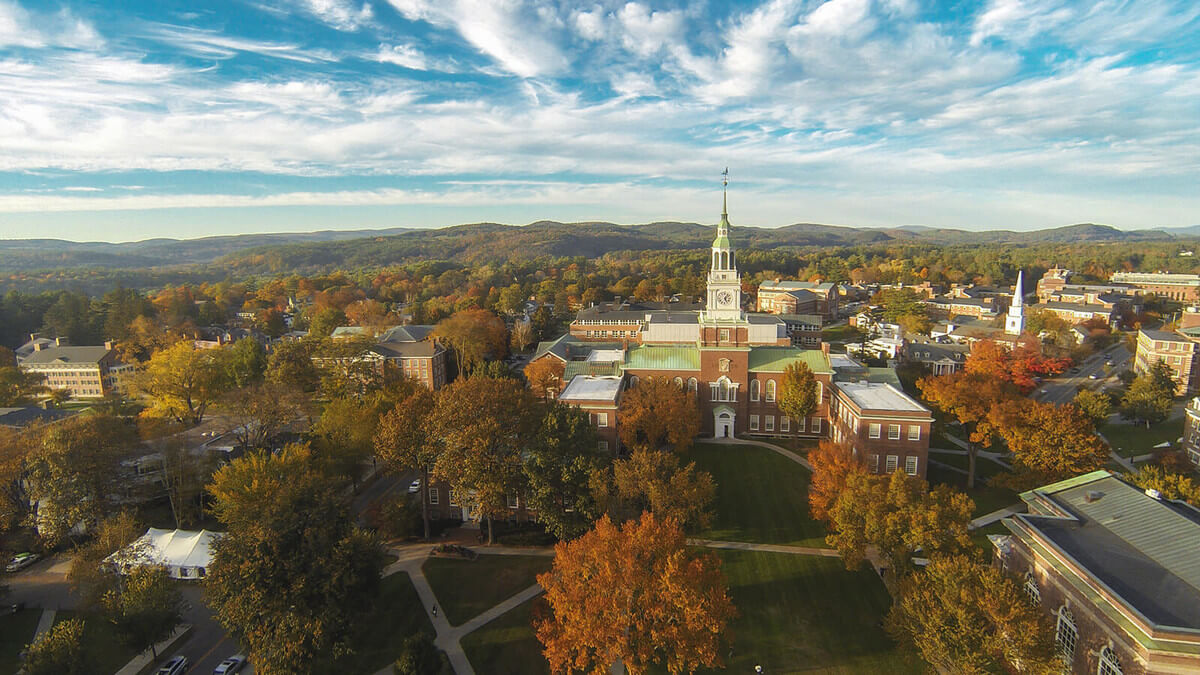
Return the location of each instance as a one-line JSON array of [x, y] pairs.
[[108, 344], [61, 341], [38, 346], [825, 348]]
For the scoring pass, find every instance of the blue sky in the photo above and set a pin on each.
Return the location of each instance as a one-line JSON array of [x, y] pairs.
[[135, 119]]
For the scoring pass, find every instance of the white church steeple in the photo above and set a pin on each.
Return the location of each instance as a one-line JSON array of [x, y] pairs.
[[1014, 323]]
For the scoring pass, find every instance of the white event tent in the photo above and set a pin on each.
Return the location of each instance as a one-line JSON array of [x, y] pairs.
[[185, 554]]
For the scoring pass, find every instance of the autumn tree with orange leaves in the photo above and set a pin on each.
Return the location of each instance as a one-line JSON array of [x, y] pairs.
[[1049, 442], [657, 412], [474, 335], [633, 595], [970, 398], [1020, 365], [545, 377], [832, 465]]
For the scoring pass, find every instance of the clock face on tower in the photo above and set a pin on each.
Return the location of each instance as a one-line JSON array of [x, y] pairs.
[[724, 298]]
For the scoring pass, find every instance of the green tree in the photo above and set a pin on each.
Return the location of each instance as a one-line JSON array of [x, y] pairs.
[[482, 425], [652, 480], [1096, 405], [559, 463], [898, 515], [58, 651], [293, 571], [145, 609], [19, 388], [402, 441], [291, 365], [72, 469], [1148, 399], [91, 577], [245, 362], [966, 617], [325, 320], [182, 381], [798, 391]]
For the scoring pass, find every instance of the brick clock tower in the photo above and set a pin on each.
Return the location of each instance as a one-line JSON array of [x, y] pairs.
[[725, 332]]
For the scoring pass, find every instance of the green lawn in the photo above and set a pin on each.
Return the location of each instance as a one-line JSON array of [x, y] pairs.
[[762, 497], [102, 649], [397, 614], [795, 613], [839, 333], [986, 497], [466, 588], [508, 645], [984, 467], [1130, 440], [807, 613], [16, 631]]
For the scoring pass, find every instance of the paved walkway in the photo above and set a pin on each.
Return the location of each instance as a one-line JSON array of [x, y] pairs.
[[790, 454], [448, 638], [45, 623], [766, 548], [995, 516]]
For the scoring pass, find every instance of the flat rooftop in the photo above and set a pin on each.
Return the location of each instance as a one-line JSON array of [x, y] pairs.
[[1145, 549], [592, 389], [879, 396], [606, 355]]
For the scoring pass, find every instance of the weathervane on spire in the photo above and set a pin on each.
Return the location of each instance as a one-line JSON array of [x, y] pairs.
[[725, 177], [725, 194]]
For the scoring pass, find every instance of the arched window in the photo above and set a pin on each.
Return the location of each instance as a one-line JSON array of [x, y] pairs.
[[770, 391], [1066, 634], [753, 390], [633, 381], [716, 260], [693, 383], [1031, 588], [1109, 663], [679, 382]]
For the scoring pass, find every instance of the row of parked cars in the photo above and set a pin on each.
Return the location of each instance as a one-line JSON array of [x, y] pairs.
[[178, 666]]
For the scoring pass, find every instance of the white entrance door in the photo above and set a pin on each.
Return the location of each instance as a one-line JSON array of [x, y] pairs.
[[723, 424]]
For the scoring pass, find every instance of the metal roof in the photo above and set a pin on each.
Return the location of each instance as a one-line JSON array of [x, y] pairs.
[[588, 388], [663, 358], [776, 359], [81, 354]]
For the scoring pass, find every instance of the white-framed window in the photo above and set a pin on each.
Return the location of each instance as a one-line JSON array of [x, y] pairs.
[[910, 465], [914, 432], [602, 419], [692, 384], [603, 445], [1110, 664], [753, 390], [754, 423], [816, 425], [873, 463], [770, 391], [785, 423], [893, 432], [434, 496], [769, 423], [1031, 588], [452, 497], [893, 461], [820, 392], [724, 335], [800, 424], [874, 430], [512, 501], [1066, 634]]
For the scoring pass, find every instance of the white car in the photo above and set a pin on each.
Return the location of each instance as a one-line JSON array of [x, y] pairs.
[[176, 666], [230, 665], [415, 486], [20, 561]]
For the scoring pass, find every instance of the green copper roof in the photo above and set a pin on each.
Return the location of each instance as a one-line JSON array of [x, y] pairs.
[[722, 241], [775, 359], [663, 358]]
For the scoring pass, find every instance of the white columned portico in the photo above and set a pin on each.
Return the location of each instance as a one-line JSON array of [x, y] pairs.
[[723, 421]]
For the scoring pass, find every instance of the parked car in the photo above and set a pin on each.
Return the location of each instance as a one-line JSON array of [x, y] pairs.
[[176, 666], [415, 486], [230, 665], [20, 561], [1093, 376]]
